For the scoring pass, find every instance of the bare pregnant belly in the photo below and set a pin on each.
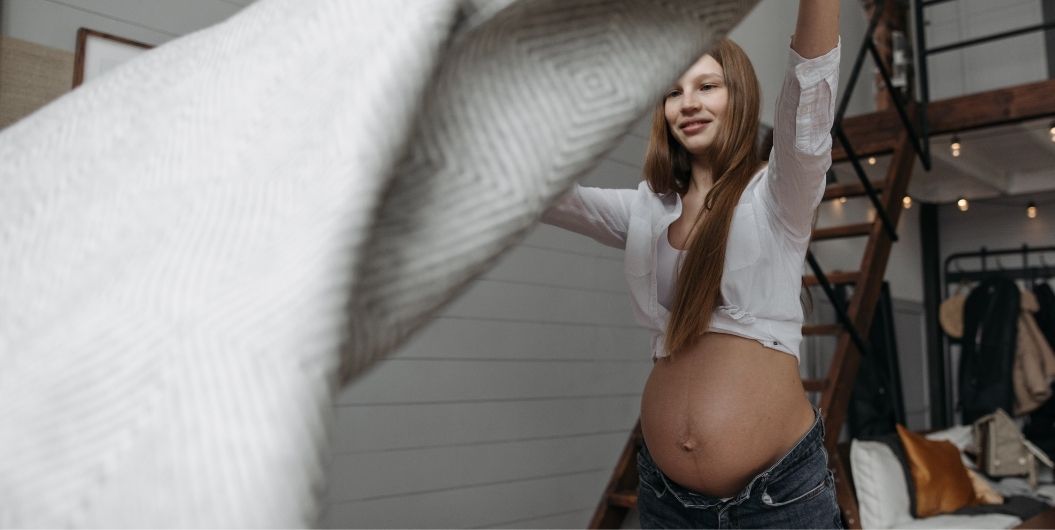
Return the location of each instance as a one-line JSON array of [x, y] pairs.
[[723, 411]]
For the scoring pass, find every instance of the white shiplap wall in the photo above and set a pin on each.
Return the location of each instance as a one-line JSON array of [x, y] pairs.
[[510, 408]]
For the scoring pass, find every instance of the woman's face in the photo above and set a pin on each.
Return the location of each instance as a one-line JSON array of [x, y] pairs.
[[695, 105]]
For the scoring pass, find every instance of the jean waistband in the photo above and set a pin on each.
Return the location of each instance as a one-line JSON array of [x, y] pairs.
[[811, 441]]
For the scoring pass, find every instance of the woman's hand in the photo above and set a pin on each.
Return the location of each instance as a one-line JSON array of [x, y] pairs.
[[817, 28]]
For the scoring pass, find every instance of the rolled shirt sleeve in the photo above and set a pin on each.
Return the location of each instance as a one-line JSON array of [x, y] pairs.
[[805, 111], [599, 213]]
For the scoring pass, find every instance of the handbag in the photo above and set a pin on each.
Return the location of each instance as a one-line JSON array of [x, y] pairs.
[[1002, 449]]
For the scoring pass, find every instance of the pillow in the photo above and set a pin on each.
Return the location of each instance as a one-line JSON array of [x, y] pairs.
[[941, 480], [881, 485], [984, 492], [962, 436]]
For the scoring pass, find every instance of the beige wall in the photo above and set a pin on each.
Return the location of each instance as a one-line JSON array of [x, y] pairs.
[[31, 75]]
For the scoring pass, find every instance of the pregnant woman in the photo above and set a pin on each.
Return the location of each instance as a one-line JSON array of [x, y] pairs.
[[715, 241]]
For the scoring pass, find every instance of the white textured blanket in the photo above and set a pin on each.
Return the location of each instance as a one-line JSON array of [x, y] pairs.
[[192, 244]]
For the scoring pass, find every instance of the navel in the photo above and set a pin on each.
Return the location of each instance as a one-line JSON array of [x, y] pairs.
[[688, 445]]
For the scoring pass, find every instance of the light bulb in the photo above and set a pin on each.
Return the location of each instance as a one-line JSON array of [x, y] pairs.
[[907, 202], [954, 146], [1031, 210], [872, 159], [962, 203], [842, 200]]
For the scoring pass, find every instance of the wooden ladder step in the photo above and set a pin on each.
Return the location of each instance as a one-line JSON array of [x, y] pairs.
[[625, 499], [853, 189], [821, 329], [863, 150], [837, 232], [835, 278], [814, 385]]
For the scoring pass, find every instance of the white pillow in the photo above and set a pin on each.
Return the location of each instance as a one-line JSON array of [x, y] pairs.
[[961, 436], [987, 520], [882, 490]]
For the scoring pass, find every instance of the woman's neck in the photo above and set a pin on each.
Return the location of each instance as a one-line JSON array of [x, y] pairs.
[[702, 181]]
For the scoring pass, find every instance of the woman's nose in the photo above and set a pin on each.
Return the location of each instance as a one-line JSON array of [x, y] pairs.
[[690, 104]]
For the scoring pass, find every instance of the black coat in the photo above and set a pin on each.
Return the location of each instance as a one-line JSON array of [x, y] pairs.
[[1046, 316], [990, 334]]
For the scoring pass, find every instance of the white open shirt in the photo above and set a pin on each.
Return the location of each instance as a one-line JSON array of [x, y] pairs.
[[771, 224]]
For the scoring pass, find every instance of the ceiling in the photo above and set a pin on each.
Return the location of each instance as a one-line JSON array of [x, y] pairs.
[[1007, 161]]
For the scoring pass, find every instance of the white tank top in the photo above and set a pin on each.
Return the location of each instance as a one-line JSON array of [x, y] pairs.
[[666, 269]]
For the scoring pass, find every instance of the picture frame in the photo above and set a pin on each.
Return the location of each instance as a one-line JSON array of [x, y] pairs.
[[98, 52]]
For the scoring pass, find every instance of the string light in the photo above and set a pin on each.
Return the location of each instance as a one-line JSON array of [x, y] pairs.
[[842, 200], [962, 203], [1031, 210], [907, 202], [1052, 131], [872, 159], [954, 146]]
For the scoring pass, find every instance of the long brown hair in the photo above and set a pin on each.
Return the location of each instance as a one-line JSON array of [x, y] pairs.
[[733, 159]]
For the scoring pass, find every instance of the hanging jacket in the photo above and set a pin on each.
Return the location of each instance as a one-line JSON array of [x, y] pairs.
[[1041, 426], [988, 348], [1034, 359], [1045, 315]]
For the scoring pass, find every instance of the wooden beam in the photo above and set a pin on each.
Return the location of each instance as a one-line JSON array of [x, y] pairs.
[[814, 385], [853, 189], [873, 133], [836, 278], [822, 329], [841, 231]]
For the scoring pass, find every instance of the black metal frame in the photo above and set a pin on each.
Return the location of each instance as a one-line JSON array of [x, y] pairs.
[[1025, 272]]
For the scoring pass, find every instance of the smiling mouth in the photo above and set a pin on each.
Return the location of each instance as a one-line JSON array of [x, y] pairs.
[[694, 126]]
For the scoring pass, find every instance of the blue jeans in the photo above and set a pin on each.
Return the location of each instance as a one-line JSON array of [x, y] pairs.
[[798, 491]]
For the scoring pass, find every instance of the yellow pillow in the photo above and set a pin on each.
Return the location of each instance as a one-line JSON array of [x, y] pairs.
[[983, 492], [941, 480]]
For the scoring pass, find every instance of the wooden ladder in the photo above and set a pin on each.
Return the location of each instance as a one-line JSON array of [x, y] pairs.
[[621, 494]]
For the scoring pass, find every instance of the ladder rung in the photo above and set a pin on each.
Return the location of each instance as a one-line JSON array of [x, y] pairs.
[[814, 385], [853, 189], [863, 151], [626, 499], [822, 329], [835, 278], [836, 232]]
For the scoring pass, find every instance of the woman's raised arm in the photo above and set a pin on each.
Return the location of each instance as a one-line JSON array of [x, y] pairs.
[[802, 121], [817, 28]]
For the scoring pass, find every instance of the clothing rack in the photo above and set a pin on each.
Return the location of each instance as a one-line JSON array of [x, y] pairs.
[[954, 274], [1025, 272]]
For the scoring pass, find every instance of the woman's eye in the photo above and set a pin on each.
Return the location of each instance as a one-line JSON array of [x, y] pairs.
[[673, 93], [708, 87]]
